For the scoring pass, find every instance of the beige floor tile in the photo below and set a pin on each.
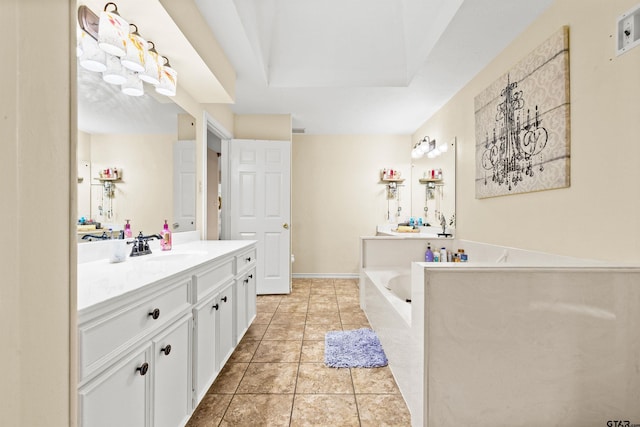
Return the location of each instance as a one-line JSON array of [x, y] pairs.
[[348, 299], [324, 410], [244, 351], [315, 300], [269, 378], [269, 298], [323, 307], [354, 326], [229, 378], [383, 410], [255, 331], [323, 317], [316, 378], [293, 307], [315, 283], [374, 380], [266, 307], [318, 331], [321, 292], [284, 332], [263, 318], [288, 318], [259, 410], [350, 283], [210, 410], [349, 306], [278, 351], [353, 317], [312, 352]]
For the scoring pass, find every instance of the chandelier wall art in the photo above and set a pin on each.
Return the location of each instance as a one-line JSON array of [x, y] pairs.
[[522, 124]]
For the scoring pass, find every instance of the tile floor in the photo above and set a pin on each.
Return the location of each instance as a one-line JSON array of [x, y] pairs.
[[276, 376]]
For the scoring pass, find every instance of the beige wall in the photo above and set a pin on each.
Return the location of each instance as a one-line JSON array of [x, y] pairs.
[[37, 289], [337, 196], [276, 127], [145, 194], [213, 179], [597, 217]]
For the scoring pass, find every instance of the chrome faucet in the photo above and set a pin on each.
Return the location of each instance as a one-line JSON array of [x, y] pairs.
[[92, 237], [141, 244]]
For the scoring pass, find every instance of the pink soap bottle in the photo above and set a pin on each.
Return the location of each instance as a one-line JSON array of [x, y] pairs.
[[165, 242], [127, 230]]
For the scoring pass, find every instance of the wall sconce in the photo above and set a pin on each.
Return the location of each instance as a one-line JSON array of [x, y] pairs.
[[428, 146], [108, 45]]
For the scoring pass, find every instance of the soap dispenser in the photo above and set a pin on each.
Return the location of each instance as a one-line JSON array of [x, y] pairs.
[[165, 242], [127, 230]]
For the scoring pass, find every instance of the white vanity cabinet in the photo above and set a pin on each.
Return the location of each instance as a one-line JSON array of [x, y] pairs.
[[148, 354]]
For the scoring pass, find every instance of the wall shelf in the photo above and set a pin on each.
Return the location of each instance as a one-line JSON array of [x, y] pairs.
[[429, 180], [386, 181]]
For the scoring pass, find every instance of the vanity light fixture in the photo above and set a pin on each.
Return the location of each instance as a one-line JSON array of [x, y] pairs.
[[109, 44], [428, 146]]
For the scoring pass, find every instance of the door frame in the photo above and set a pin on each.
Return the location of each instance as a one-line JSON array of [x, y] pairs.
[[215, 127]]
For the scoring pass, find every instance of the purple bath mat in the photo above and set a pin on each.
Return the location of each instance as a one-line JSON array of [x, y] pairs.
[[359, 348]]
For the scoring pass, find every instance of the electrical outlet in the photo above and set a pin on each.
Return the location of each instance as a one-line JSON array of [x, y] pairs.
[[628, 30]]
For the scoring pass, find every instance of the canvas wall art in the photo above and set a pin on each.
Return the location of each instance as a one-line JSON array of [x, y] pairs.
[[522, 124]]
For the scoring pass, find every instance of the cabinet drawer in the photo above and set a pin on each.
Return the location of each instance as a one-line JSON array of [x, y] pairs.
[[110, 333], [245, 260], [211, 279]]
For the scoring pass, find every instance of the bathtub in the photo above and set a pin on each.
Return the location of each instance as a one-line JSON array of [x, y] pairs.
[[512, 335], [383, 296]]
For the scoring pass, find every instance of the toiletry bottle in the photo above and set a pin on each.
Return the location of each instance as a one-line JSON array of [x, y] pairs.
[[127, 230], [428, 256], [443, 255], [165, 242], [436, 256]]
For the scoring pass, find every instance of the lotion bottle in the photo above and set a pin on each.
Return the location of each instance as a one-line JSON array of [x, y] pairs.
[[428, 256], [165, 242]]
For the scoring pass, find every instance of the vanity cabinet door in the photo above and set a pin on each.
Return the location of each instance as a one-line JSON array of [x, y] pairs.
[[205, 363], [172, 398], [226, 325], [120, 395], [241, 307], [251, 297], [245, 303]]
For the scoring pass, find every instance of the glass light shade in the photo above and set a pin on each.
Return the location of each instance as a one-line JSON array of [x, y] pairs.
[[93, 58], [133, 85], [168, 81], [443, 148], [136, 48], [112, 32], [416, 153], [432, 154], [151, 73], [424, 147], [114, 73]]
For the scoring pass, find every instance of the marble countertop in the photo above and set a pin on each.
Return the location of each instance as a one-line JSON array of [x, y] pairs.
[[100, 280], [425, 232]]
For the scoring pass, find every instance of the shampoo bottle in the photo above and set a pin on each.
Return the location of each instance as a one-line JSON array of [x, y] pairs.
[[428, 256], [165, 243], [127, 230]]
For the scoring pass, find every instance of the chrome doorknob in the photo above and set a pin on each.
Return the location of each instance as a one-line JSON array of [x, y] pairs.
[[285, 226]]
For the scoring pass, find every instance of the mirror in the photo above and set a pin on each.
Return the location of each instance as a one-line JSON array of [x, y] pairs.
[[433, 194], [125, 157]]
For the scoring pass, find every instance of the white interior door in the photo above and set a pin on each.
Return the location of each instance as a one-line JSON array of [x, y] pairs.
[[260, 207], [184, 186]]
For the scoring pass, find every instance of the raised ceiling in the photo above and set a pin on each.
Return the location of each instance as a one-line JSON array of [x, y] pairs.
[[360, 66]]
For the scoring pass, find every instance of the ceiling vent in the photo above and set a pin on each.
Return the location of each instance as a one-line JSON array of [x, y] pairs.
[[298, 130]]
